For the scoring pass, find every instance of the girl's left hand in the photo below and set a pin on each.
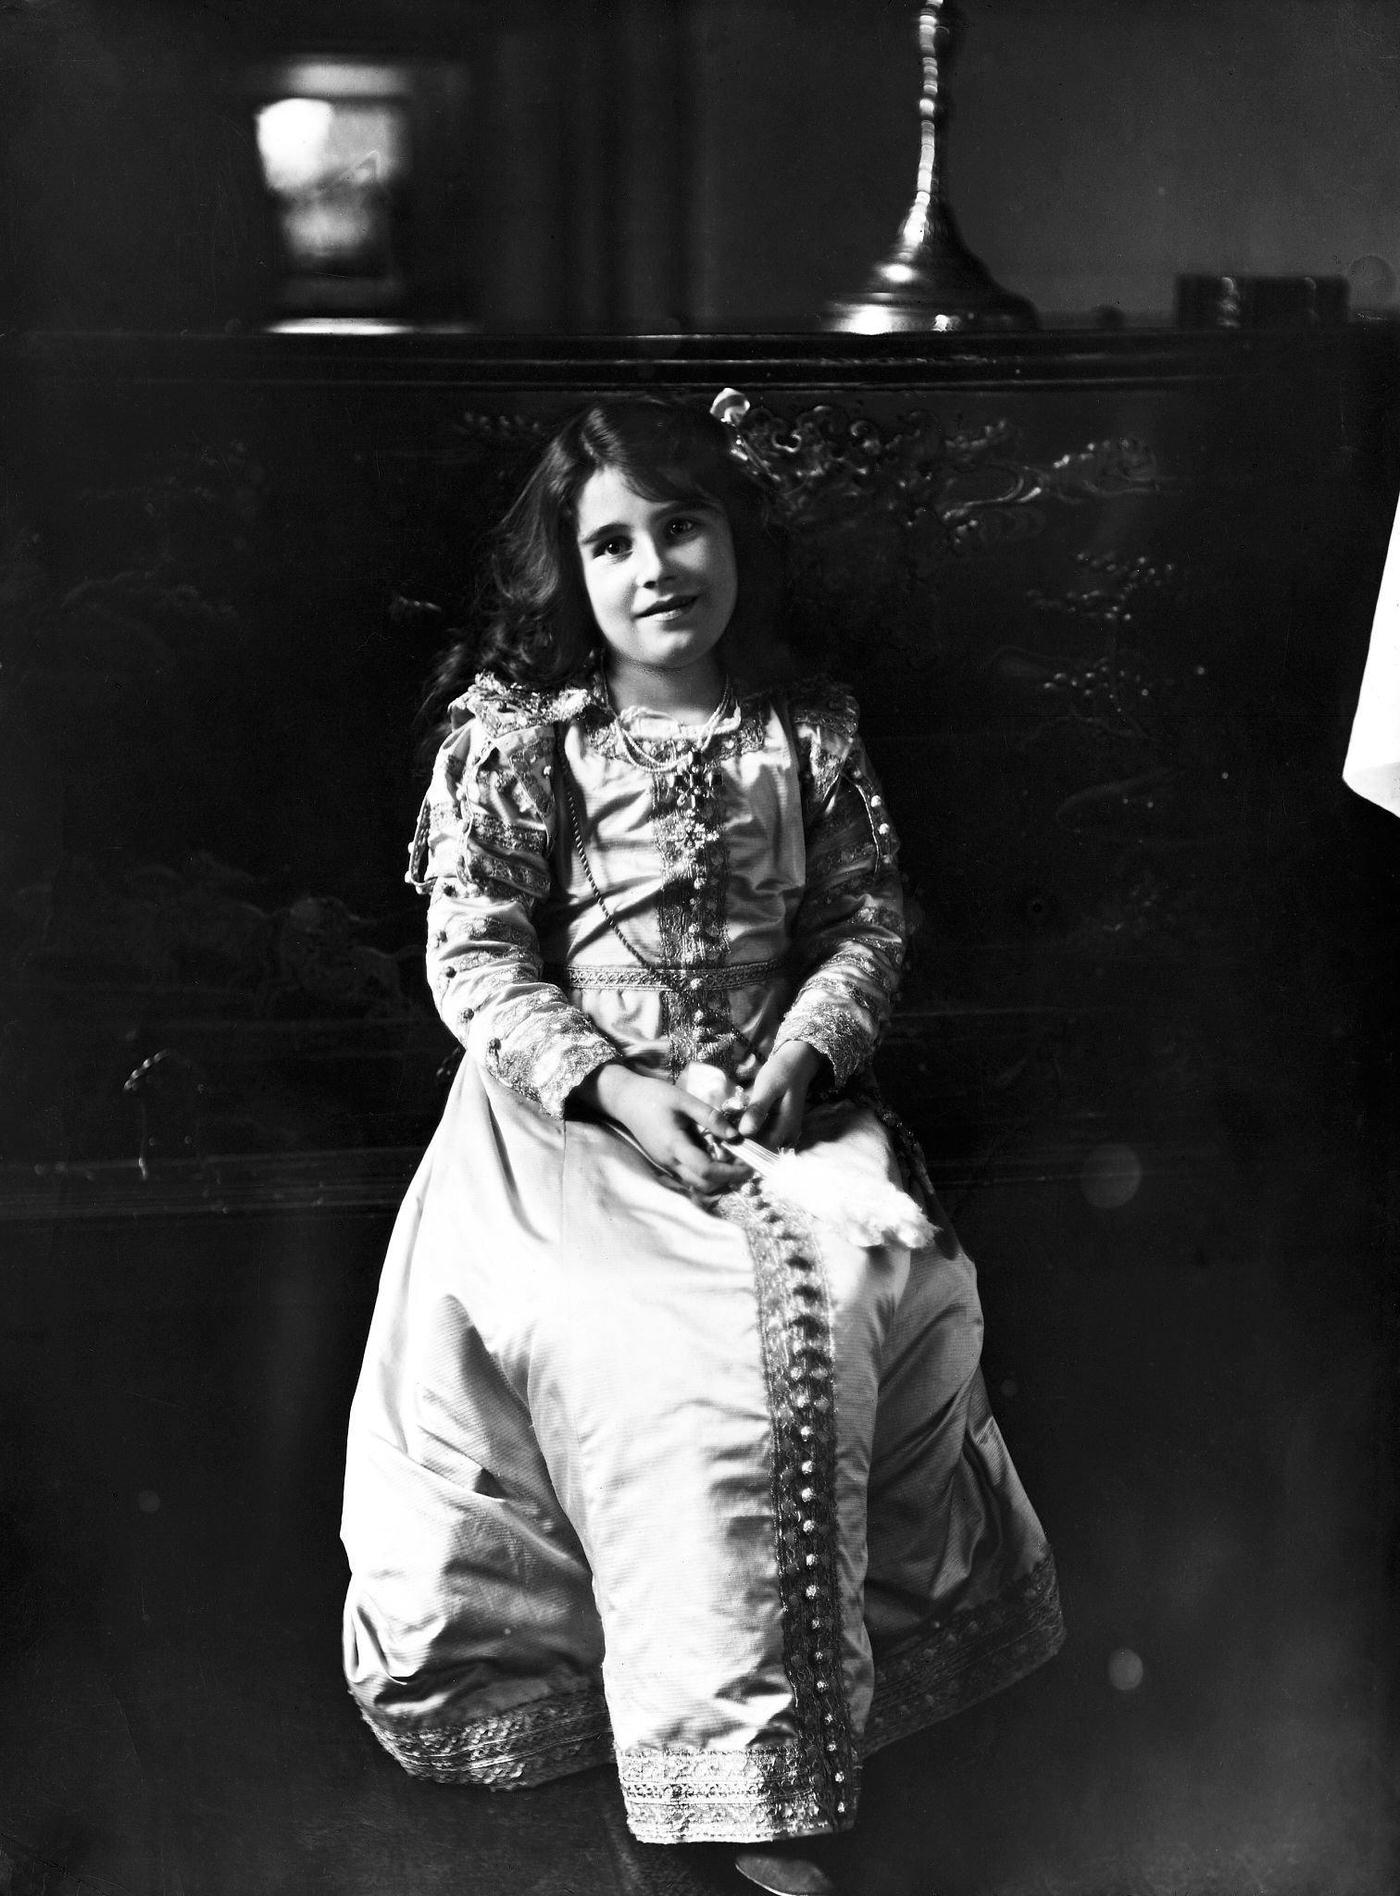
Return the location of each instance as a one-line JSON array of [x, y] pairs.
[[778, 1097]]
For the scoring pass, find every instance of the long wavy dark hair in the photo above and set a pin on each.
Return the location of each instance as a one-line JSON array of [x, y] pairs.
[[536, 626]]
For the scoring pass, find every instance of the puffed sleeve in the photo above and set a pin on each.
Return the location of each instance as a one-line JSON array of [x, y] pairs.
[[481, 856], [849, 933]]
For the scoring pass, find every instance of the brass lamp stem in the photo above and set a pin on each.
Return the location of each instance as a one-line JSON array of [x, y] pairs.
[[930, 279], [929, 206]]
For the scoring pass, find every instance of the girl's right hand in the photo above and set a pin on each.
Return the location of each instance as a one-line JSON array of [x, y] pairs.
[[667, 1124]]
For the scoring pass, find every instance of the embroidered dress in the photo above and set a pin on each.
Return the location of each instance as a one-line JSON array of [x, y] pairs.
[[699, 1487]]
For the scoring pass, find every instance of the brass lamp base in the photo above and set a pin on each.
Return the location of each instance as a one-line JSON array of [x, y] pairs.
[[935, 285]]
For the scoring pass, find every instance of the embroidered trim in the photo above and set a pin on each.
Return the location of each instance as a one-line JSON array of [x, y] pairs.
[[846, 976], [966, 1657], [687, 815], [719, 1796], [549, 1738], [512, 757], [749, 732], [794, 1313], [830, 1027], [472, 959], [819, 702], [626, 974], [569, 1065], [513, 1067], [514, 1017], [834, 853], [501, 878], [503, 707], [524, 775], [888, 917], [513, 838], [542, 1054], [496, 929]]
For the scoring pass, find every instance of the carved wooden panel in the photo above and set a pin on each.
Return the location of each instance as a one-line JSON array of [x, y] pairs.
[[1103, 604]]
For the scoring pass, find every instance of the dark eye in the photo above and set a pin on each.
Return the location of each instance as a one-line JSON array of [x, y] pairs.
[[679, 525], [611, 549]]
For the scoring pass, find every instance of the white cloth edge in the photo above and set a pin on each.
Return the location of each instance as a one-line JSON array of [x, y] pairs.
[[1372, 767]]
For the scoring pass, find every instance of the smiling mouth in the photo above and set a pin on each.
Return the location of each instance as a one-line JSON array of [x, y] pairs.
[[663, 608]]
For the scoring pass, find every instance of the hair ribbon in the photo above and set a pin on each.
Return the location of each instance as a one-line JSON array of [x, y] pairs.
[[730, 409]]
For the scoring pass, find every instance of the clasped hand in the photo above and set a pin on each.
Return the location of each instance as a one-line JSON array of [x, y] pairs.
[[672, 1127]]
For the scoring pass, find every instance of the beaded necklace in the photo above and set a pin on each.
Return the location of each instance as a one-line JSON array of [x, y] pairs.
[[686, 752]]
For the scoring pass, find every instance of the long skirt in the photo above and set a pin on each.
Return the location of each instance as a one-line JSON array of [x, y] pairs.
[[699, 1487]]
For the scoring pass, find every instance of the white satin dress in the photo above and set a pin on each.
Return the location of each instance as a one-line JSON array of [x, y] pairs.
[[698, 1487]]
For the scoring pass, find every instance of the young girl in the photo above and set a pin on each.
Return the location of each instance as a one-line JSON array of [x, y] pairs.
[[642, 1464]]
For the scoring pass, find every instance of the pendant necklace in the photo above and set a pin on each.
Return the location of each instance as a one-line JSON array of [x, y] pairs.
[[690, 772]]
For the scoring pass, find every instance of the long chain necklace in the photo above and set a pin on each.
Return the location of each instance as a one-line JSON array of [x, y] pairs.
[[682, 988]]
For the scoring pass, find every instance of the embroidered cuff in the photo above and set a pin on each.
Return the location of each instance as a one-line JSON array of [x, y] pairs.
[[580, 1059], [545, 1066], [832, 1029]]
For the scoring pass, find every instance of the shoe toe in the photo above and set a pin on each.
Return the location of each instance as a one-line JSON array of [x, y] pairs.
[[785, 1873]]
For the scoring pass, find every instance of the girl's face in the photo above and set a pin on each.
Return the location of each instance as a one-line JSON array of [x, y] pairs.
[[660, 574]]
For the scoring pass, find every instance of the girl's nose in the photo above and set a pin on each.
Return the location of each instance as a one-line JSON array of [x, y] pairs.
[[650, 559]]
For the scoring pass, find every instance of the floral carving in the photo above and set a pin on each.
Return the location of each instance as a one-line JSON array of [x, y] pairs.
[[971, 480]]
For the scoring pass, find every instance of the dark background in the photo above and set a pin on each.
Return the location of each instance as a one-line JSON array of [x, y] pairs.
[[730, 164], [1104, 591]]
